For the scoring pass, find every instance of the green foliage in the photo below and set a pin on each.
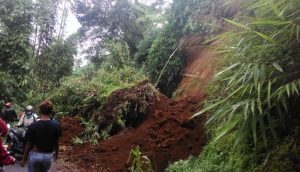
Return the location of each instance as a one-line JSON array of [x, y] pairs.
[[55, 62], [260, 75], [161, 50], [117, 54], [253, 117], [44, 20], [80, 93], [77, 141], [9, 87], [139, 163], [90, 133], [188, 17], [143, 48], [15, 50], [184, 18], [105, 20], [221, 156]]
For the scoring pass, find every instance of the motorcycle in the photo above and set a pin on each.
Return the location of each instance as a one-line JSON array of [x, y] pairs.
[[15, 140]]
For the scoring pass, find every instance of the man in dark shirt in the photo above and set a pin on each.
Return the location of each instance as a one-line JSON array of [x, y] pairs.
[[9, 114], [42, 140]]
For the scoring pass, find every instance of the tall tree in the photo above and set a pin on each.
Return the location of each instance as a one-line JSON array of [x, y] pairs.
[[45, 20], [15, 50], [119, 19], [57, 60]]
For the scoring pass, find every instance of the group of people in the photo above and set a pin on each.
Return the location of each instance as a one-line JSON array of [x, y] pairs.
[[42, 135], [26, 118]]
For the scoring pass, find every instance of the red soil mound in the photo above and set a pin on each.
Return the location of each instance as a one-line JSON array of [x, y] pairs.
[[165, 136], [70, 129]]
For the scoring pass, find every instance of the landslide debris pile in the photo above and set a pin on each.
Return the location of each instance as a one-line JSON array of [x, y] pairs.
[[166, 135], [125, 108]]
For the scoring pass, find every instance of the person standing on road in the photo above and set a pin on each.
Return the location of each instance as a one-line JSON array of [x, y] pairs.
[[42, 140], [9, 114]]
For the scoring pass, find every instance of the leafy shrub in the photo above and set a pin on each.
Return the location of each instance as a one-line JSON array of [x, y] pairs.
[[90, 133], [108, 100], [219, 156], [81, 93]]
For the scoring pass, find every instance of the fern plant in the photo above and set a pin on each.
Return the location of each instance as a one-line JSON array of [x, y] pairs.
[[261, 73]]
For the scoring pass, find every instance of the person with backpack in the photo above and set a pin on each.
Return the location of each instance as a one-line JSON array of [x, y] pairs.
[[27, 118], [9, 114]]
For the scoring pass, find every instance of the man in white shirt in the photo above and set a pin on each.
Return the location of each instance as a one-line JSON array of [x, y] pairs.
[[27, 118]]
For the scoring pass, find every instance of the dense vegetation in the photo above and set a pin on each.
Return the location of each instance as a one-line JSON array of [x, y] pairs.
[[32, 54], [251, 109]]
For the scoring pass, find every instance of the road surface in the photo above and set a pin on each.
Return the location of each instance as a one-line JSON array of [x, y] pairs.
[[56, 166]]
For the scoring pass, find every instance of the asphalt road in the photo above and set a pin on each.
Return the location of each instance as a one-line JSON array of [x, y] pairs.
[[56, 166], [15, 168]]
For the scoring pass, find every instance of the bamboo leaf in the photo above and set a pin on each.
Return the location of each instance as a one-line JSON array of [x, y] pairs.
[[276, 10], [242, 26], [246, 109], [207, 109], [265, 37], [227, 128], [227, 69], [277, 66], [269, 93], [287, 90], [269, 22], [295, 88], [223, 35], [259, 106], [252, 107], [233, 93]]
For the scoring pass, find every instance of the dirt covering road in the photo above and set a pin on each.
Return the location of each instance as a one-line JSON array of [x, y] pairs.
[[165, 136]]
